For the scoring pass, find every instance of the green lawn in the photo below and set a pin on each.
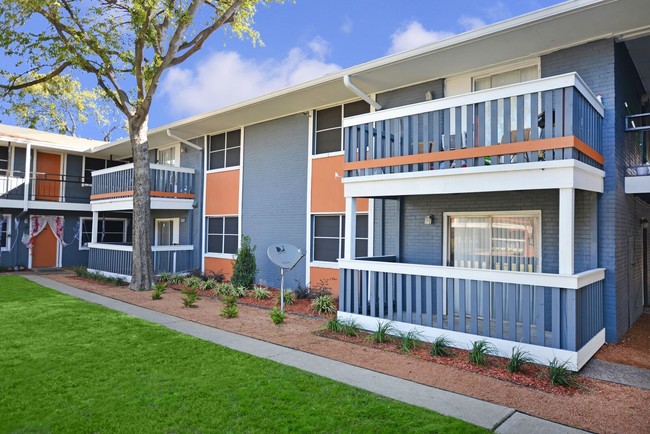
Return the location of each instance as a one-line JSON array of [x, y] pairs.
[[70, 366]]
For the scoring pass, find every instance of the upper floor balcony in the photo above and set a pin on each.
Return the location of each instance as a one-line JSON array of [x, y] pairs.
[[538, 134], [171, 188], [44, 191]]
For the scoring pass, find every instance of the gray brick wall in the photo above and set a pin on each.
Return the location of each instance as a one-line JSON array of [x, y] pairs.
[[410, 94], [275, 191], [190, 231]]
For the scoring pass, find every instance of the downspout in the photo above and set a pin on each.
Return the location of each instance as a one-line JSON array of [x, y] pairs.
[[183, 141], [28, 163], [356, 90]]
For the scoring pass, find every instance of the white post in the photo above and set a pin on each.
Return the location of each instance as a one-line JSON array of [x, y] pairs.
[[26, 184], [93, 236], [350, 227], [566, 230]]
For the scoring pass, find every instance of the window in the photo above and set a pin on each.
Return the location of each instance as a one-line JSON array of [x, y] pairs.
[[4, 161], [503, 241], [506, 78], [109, 230], [328, 241], [92, 164], [169, 156], [223, 235], [328, 135], [5, 232], [224, 150]]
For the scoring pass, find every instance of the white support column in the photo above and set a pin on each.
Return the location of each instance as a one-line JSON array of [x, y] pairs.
[[93, 237], [350, 227], [566, 230], [26, 184]]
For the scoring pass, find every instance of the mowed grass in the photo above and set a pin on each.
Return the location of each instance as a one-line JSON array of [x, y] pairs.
[[71, 366]]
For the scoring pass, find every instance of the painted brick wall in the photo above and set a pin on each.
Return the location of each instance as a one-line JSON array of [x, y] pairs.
[[274, 191], [191, 229], [411, 94]]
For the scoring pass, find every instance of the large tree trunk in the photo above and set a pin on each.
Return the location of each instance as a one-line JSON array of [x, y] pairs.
[[142, 267]]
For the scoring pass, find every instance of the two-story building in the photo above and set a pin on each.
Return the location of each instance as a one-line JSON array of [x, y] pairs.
[[487, 185]]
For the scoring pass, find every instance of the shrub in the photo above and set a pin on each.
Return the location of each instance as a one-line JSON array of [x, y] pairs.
[[479, 352], [440, 347], [518, 359], [324, 304], [239, 291], [230, 310], [245, 266], [158, 290], [350, 328], [333, 325], [409, 341], [288, 297], [191, 297], [560, 375], [384, 329], [82, 271], [209, 284], [223, 289], [176, 279], [261, 293], [277, 315], [164, 276], [193, 282], [302, 292]]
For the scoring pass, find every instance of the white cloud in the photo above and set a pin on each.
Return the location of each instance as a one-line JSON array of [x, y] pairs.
[[347, 25], [413, 35], [470, 23], [498, 11], [225, 77]]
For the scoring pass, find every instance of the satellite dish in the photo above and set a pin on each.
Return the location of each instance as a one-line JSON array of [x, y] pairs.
[[285, 256]]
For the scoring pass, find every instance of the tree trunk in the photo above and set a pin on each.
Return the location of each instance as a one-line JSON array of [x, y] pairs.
[[142, 265]]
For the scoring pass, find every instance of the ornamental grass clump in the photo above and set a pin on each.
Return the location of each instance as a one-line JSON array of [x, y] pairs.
[[409, 341], [193, 282], [261, 293], [324, 304], [191, 297], [441, 346], [334, 325], [560, 375], [479, 352], [518, 359], [350, 328], [158, 290], [230, 309], [288, 297], [384, 330]]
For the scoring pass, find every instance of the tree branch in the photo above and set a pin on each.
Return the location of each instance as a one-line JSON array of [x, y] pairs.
[[57, 71]]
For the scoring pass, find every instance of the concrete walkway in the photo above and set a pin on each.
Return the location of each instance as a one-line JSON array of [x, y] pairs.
[[494, 417]]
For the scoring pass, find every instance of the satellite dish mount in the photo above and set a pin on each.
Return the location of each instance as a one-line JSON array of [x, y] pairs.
[[285, 256]]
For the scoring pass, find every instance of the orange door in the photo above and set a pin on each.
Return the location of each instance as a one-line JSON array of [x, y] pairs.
[[44, 250], [48, 176]]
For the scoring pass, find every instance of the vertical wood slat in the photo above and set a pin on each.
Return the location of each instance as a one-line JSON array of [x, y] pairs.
[[372, 293], [462, 325], [474, 307], [342, 289], [555, 317], [409, 298], [486, 308], [450, 304], [429, 301], [418, 300], [446, 128], [539, 316], [382, 295], [458, 134], [364, 292], [399, 296], [437, 144], [494, 128], [355, 291], [390, 295], [426, 138], [572, 319], [512, 312], [506, 121], [470, 131], [415, 140], [480, 121], [498, 314], [525, 314], [440, 288]]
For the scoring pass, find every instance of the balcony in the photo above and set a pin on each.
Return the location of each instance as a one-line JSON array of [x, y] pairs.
[[546, 132], [637, 179], [171, 188], [45, 191], [548, 315], [115, 259]]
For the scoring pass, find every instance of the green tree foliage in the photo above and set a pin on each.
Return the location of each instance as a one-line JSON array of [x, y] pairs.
[[124, 46], [245, 265]]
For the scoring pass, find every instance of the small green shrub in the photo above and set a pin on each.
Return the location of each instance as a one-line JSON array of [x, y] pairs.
[[223, 289], [209, 284], [83, 272], [191, 297], [158, 290], [230, 311], [193, 282], [441, 347], [261, 293], [384, 329], [302, 292], [560, 375], [350, 328], [164, 276], [324, 304], [176, 279], [277, 316], [409, 340], [245, 265], [288, 298], [518, 359], [479, 352], [333, 325], [239, 291]]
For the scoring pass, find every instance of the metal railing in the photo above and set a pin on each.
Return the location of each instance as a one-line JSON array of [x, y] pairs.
[[46, 187], [563, 312], [497, 126], [117, 258], [166, 181]]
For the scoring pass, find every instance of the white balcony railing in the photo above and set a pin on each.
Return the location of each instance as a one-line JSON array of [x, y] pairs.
[[116, 259]]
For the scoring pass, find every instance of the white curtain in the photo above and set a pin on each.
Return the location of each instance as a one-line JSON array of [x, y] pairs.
[[37, 224]]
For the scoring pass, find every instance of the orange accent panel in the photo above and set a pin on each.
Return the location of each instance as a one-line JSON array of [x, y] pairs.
[[331, 275], [222, 193], [44, 250], [327, 189], [482, 151], [152, 194], [219, 264], [111, 195], [48, 176]]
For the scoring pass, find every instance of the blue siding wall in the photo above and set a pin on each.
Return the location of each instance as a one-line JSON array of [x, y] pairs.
[[411, 94], [74, 191], [191, 229], [275, 191]]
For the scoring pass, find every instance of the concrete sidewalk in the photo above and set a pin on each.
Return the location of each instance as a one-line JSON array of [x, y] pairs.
[[491, 416]]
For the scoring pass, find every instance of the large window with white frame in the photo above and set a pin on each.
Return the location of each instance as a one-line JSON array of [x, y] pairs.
[[5, 232], [222, 235], [224, 150], [109, 230], [328, 237], [508, 241], [328, 134], [169, 155]]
